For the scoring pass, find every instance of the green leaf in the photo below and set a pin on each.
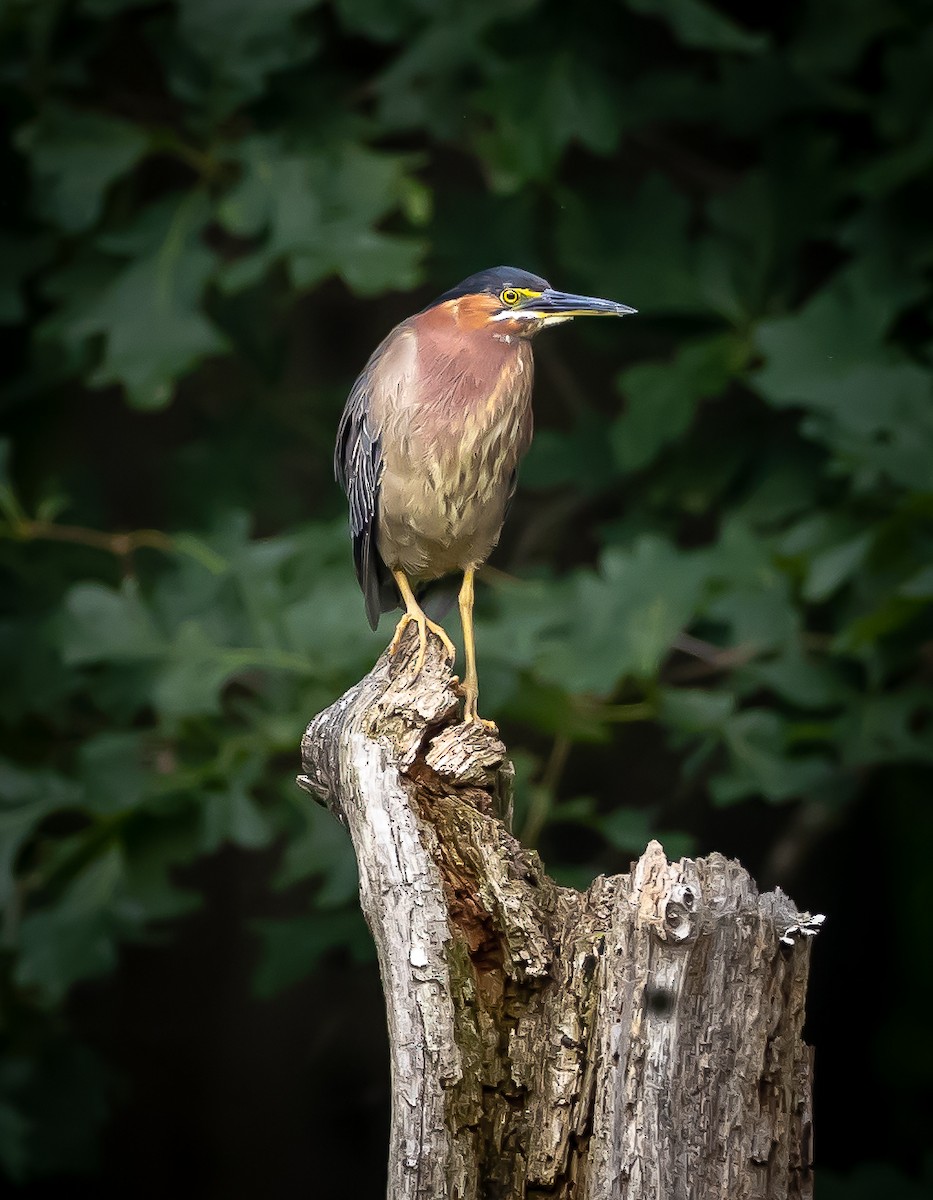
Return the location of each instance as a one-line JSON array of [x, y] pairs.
[[834, 35], [76, 156], [100, 624], [629, 829], [200, 551], [756, 741], [758, 223], [36, 681], [420, 88], [841, 328], [701, 25], [759, 617], [752, 596], [899, 168], [74, 938], [112, 772], [655, 271], [320, 849], [800, 680], [876, 416], [576, 103], [879, 423], [317, 211], [897, 727], [864, 634], [661, 399], [579, 457], [237, 44], [382, 20], [157, 842], [835, 566], [695, 710], [193, 674], [26, 798], [149, 312], [549, 708], [919, 585], [621, 622], [232, 815], [525, 610], [784, 488]]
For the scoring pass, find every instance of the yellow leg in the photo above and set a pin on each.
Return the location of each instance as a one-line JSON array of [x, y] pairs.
[[414, 612], [470, 679]]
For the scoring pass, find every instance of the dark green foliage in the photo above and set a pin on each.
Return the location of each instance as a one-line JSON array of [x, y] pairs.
[[725, 530]]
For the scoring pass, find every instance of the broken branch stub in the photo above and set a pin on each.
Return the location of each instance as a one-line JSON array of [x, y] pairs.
[[640, 1040]]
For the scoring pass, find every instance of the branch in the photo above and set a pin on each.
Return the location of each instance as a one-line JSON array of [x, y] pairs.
[[641, 1039]]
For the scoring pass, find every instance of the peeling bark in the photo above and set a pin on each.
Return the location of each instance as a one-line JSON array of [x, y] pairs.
[[640, 1040]]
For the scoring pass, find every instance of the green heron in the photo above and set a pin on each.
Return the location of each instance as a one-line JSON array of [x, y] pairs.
[[430, 441]]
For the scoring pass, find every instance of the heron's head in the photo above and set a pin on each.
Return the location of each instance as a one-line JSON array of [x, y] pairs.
[[514, 303]]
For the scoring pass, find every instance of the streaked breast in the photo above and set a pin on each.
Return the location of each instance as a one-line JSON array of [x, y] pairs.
[[454, 432]]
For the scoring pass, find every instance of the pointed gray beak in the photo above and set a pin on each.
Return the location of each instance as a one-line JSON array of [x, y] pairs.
[[561, 305]]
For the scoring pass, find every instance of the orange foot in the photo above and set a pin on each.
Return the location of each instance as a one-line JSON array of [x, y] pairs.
[[470, 715], [424, 624]]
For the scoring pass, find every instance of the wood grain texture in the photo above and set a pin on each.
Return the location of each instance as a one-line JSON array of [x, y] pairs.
[[640, 1040]]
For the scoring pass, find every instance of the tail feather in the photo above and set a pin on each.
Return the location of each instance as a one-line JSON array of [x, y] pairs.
[[380, 590]]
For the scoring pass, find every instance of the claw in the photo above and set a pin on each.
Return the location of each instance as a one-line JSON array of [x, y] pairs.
[[470, 715], [424, 624], [450, 650]]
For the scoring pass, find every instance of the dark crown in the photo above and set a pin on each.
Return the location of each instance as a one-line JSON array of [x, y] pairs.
[[493, 280]]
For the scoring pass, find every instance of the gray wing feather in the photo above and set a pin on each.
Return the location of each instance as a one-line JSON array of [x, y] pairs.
[[358, 470]]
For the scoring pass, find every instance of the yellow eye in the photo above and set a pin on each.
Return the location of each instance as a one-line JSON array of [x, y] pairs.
[[509, 297]]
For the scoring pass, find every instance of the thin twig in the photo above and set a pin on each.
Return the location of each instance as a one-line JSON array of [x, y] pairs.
[[120, 544], [543, 792], [811, 822], [713, 660]]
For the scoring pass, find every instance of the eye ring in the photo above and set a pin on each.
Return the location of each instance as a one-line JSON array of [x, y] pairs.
[[510, 297]]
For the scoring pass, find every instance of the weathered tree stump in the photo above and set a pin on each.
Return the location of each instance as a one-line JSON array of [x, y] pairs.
[[639, 1040]]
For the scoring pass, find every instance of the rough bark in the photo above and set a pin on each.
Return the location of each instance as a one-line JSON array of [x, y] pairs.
[[640, 1040]]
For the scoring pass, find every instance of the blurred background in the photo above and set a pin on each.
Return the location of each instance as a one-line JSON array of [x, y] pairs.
[[709, 619]]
